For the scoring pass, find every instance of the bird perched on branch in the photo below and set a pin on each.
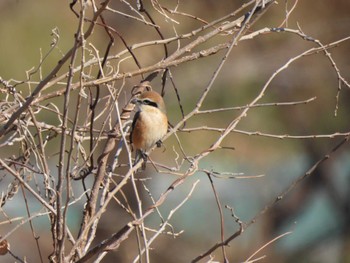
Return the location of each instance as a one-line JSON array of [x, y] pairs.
[[150, 124]]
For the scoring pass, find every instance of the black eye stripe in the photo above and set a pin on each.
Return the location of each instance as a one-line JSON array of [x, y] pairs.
[[150, 103]]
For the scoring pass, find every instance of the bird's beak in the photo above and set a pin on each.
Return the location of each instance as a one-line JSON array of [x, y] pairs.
[[135, 101]]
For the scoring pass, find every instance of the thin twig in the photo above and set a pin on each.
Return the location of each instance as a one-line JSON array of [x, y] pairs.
[[222, 223]]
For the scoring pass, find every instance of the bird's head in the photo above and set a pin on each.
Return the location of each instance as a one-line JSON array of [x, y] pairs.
[[150, 99]]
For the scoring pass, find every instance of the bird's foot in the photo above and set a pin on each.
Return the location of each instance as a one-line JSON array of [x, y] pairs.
[[159, 143], [144, 157]]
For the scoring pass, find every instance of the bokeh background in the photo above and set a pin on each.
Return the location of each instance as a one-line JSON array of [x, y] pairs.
[[317, 211]]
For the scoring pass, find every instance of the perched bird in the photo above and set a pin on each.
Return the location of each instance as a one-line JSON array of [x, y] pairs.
[[150, 124]]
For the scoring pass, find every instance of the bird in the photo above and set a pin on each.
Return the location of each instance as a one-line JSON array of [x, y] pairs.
[[149, 125]]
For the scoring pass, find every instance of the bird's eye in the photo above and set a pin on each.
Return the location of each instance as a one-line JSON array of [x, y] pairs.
[[150, 103]]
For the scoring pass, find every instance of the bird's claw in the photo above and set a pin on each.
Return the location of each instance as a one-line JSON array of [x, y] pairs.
[[159, 143]]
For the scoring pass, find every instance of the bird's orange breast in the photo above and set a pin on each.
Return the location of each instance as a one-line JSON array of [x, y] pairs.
[[149, 128]]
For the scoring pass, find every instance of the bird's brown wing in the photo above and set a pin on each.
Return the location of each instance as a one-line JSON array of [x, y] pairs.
[[137, 114]]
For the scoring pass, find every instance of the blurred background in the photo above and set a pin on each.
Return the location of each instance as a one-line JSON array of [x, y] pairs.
[[317, 211]]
